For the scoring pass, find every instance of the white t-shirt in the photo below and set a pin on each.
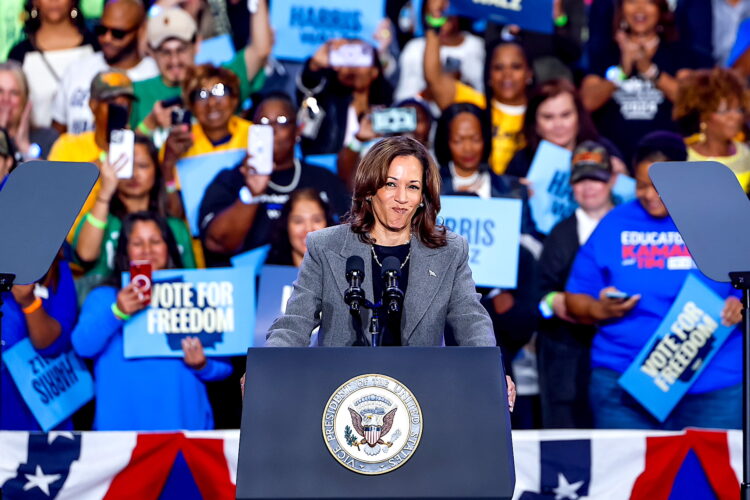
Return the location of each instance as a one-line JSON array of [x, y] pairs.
[[470, 53], [71, 104], [43, 82], [586, 225]]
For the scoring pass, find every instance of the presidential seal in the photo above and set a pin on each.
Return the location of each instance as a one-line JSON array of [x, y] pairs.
[[372, 424]]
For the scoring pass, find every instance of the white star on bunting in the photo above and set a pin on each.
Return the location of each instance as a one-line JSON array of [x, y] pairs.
[[40, 480], [56, 434], [565, 489]]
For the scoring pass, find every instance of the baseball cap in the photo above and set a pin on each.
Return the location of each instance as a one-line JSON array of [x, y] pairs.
[[590, 161], [111, 83], [170, 23]]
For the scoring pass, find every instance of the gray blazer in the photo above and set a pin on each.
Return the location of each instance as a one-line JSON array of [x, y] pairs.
[[441, 290]]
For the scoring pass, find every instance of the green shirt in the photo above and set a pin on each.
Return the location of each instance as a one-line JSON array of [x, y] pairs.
[[154, 89], [11, 27]]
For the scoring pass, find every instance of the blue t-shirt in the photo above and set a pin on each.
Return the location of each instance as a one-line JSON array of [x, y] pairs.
[[641, 254]]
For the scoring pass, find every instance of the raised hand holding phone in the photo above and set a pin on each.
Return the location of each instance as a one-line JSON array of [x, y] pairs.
[[260, 149], [140, 278]]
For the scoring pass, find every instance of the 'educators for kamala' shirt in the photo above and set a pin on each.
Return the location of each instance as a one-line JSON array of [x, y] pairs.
[[641, 254]]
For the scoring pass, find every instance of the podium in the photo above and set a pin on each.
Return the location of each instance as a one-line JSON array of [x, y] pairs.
[[390, 422]]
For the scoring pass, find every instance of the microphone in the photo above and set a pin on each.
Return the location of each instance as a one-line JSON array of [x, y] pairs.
[[355, 274], [392, 294]]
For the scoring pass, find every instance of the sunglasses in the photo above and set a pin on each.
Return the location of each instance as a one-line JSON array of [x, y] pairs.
[[218, 90], [101, 30], [280, 120]]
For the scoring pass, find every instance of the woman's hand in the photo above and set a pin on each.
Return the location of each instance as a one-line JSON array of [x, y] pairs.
[[511, 393], [256, 183], [178, 142], [630, 52], [320, 59], [108, 174], [130, 300], [365, 132], [194, 357], [24, 294], [613, 308], [24, 128], [242, 384], [732, 312]]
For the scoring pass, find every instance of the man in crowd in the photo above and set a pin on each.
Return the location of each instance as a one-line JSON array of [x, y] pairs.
[[118, 34], [173, 39]]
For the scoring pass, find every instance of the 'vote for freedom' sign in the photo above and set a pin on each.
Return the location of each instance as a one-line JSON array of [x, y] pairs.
[[533, 15], [680, 349], [215, 305], [302, 26], [493, 229], [52, 387]]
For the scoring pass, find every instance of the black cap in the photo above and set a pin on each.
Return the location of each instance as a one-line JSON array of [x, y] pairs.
[[590, 161], [668, 144]]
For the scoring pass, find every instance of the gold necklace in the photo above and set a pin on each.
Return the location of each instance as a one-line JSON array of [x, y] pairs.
[[375, 256]]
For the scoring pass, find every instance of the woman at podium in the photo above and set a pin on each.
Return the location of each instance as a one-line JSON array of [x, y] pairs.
[[394, 209]]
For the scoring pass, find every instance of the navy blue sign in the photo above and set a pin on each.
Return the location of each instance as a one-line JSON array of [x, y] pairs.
[[532, 15]]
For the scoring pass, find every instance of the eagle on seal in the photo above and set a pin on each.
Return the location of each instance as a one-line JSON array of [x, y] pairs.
[[371, 426]]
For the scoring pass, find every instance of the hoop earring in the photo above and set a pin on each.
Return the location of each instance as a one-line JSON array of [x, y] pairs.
[[73, 13], [34, 13]]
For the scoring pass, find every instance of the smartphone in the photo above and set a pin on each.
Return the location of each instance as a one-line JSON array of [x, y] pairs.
[[617, 295], [394, 120], [181, 116], [260, 147], [117, 117], [122, 145], [140, 276], [172, 101], [353, 55]]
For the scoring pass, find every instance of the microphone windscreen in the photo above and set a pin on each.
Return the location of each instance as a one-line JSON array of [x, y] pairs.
[[355, 263], [391, 264]]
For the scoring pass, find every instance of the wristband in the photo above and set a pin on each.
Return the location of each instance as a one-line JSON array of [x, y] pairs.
[[246, 196], [144, 129], [652, 73], [102, 156], [355, 145], [171, 186], [118, 313], [561, 20], [545, 305], [435, 22], [97, 223], [616, 75], [33, 306]]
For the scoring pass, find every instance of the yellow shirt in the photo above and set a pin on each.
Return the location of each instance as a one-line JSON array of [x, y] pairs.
[[82, 148], [506, 126], [739, 162]]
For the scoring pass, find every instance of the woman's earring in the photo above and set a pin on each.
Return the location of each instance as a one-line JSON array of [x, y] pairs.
[[421, 204], [702, 134], [34, 13], [73, 13], [368, 199]]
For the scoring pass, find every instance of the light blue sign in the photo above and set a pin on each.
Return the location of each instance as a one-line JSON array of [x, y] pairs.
[[532, 15], [330, 161], [215, 305], [253, 259], [302, 26], [52, 387], [493, 229], [196, 173], [680, 349], [216, 50], [276, 285], [552, 199]]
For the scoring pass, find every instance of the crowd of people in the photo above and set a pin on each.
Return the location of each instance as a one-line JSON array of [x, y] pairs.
[[620, 84]]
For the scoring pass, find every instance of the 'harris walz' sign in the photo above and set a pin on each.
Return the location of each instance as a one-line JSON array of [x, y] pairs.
[[215, 305], [302, 26], [681, 348], [533, 15]]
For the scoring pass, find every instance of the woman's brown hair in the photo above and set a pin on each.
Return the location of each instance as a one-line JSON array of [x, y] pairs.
[[372, 174], [198, 75]]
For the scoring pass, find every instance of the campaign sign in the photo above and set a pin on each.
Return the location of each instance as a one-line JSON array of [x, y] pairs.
[[553, 200], [302, 26], [52, 387], [532, 15], [254, 258], [216, 50], [196, 173], [680, 349], [276, 285], [215, 305], [493, 230]]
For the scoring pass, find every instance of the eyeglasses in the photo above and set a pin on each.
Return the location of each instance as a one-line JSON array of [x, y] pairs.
[[118, 34], [218, 90], [176, 52], [280, 120], [725, 110]]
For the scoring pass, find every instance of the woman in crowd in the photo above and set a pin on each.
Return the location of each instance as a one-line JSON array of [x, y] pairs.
[[304, 212], [95, 238], [633, 80], [8, 155], [618, 257], [507, 75], [564, 347], [556, 114], [56, 37], [711, 106], [335, 98], [15, 114], [145, 393], [42, 313]]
